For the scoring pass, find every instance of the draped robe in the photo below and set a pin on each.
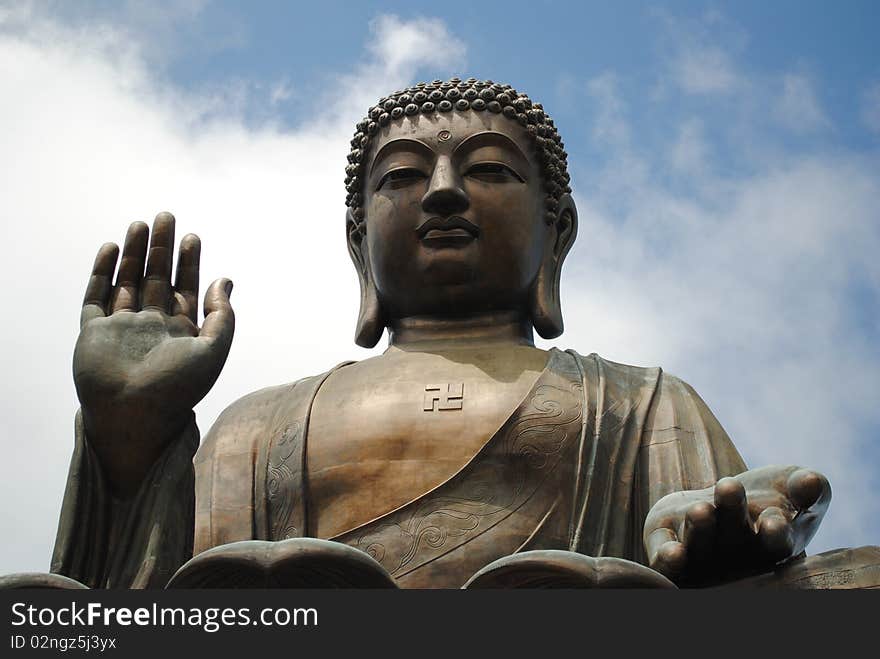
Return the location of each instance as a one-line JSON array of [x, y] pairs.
[[576, 466]]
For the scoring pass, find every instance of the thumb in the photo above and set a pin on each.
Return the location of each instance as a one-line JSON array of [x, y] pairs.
[[219, 324]]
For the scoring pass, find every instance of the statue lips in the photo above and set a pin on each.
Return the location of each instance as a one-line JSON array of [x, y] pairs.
[[452, 231]]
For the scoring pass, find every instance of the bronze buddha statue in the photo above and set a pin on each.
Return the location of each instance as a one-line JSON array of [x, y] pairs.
[[462, 443]]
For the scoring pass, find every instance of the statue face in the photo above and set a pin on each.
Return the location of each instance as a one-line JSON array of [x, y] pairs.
[[454, 215]]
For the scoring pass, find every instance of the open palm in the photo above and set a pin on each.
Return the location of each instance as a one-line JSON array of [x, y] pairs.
[[141, 362]]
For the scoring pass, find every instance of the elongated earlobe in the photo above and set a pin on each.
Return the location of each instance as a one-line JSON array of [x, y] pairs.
[[370, 322], [546, 307]]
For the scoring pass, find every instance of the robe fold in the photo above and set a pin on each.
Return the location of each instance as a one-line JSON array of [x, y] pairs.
[[105, 542], [576, 466]]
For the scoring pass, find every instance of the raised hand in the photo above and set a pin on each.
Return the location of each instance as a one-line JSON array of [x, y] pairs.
[[743, 525], [141, 362]]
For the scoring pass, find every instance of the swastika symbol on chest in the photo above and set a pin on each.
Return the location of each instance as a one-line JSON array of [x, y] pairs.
[[443, 397]]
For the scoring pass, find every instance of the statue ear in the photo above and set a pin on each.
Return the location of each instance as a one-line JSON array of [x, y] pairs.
[[370, 323], [546, 308]]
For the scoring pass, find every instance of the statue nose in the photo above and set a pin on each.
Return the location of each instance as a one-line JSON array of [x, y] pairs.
[[445, 195]]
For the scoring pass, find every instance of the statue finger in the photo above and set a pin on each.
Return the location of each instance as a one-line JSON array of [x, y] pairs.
[[181, 308], [186, 280], [698, 532], [219, 324], [775, 534], [661, 545], [732, 516], [156, 287], [131, 269], [669, 558], [98, 290], [806, 488]]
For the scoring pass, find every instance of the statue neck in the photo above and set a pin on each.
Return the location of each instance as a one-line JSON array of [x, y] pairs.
[[476, 329]]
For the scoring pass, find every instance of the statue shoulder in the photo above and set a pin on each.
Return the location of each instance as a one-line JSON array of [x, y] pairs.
[[253, 407], [673, 412], [620, 376], [252, 416], [663, 388]]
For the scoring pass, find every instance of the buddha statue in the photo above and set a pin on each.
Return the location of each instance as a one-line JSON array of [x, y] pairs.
[[462, 446]]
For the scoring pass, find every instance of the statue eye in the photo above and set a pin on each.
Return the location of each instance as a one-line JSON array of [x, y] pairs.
[[400, 177], [493, 172]]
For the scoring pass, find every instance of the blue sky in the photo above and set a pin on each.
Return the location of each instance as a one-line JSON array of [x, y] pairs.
[[724, 159], [543, 46]]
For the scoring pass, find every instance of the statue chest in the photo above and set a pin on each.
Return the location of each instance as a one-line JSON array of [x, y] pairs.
[[382, 434]]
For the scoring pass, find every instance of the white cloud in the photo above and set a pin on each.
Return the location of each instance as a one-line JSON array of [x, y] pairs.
[[699, 52], [94, 140], [399, 49], [404, 46], [610, 126], [705, 70], [281, 91], [688, 152], [798, 107]]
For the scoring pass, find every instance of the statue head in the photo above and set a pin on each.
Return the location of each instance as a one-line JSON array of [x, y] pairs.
[[458, 204]]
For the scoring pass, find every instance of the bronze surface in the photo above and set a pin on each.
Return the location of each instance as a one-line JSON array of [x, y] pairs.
[[461, 445]]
